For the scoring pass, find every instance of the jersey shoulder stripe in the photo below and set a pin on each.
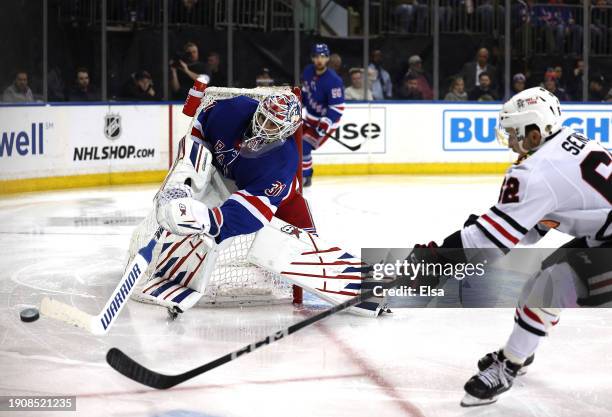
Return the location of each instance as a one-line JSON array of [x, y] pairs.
[[509, 220], [492, 238], [500, 229]]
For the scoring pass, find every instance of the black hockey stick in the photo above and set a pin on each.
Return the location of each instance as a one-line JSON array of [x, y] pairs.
[[133, 370], [352, 148]]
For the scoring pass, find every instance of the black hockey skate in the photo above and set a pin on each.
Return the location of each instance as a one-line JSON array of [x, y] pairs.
[[487, 360], [486, 386]]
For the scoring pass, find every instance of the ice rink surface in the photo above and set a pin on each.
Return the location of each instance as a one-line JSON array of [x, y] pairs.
[[70, 245]]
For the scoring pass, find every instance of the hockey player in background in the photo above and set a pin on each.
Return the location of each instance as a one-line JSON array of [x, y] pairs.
[[561, 180], [323, 101], [254, 154]]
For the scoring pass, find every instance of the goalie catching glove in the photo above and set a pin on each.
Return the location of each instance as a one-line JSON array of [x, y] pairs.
[[178, 213]]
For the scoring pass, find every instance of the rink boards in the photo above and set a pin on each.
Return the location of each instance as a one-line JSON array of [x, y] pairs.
[[66, 146]]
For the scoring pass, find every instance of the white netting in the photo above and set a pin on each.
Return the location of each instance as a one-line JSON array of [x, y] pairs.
[[234, 281]]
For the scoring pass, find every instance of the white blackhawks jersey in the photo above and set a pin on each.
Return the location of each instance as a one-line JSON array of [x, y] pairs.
[[566, 185]]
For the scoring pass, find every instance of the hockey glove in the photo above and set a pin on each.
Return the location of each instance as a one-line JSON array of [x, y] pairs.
[[323, 127]]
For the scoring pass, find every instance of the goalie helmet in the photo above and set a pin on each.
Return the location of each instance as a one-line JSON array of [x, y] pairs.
[[277, 117], [534, 106]]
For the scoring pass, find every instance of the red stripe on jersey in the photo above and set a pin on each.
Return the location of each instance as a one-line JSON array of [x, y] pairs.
[[533, 316], [258, 204], [601, 284], [218, 216], [196, 132], [500, 229], [199, 156]]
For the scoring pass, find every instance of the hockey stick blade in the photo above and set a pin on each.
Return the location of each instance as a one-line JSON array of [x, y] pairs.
[[100, 324], [352, 148], [136, 372]]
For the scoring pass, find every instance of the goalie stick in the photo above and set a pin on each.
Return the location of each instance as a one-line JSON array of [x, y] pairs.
[[101, 323], [137, 372]]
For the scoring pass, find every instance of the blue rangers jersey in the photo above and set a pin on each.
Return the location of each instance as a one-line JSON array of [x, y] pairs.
[[263, 182], [322, 97]]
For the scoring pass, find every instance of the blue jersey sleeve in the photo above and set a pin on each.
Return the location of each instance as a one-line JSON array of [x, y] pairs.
[[335, 101], [253, 206]]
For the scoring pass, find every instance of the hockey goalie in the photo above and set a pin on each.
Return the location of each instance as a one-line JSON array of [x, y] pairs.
[[235, 175]]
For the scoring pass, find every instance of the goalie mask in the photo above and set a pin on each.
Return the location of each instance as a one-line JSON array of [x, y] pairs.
[[277, 117], [534, 106]]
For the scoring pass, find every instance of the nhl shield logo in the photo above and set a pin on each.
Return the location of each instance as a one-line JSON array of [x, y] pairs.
[[112, 126]]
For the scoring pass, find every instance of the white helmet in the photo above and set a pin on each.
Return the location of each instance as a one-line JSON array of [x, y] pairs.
[[534, 106], [277, 117]]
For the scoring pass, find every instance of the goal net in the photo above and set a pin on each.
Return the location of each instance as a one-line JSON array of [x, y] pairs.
[[234, 281]]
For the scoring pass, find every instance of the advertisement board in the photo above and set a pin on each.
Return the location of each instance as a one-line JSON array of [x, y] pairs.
[[428, 137], [47, 141]]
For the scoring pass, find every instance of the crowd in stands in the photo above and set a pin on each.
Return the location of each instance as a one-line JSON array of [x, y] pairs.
[[139, 85], [478, 80]]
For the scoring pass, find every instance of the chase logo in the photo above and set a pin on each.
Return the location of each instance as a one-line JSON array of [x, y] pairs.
[[470, 130]]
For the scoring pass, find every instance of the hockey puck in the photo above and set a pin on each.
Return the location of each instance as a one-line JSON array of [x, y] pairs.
[[29, 315]]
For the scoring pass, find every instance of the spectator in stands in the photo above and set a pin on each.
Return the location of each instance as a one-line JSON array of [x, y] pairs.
[[184, 70], [411, 15], [264, 79], [596, 88], [608, 97], [415, 65], [335, 63], [355, 90], [140, 87], [19, 91], [56, 89], [213, 69], [601, 25], [574, 84], [550, 83], [485, 12], [186, 11], [483, 91], [82, 90], [471, 70], [519, 82], [558, 23], [131, 10], [409, 89], [456, 91], [382, 88]]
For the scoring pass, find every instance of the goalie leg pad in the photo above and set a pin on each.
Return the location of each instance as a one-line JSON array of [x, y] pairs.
[[320, 268], [178, 273]]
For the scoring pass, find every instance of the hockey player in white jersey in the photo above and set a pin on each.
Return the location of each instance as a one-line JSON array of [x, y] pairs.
[[562, 180]]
